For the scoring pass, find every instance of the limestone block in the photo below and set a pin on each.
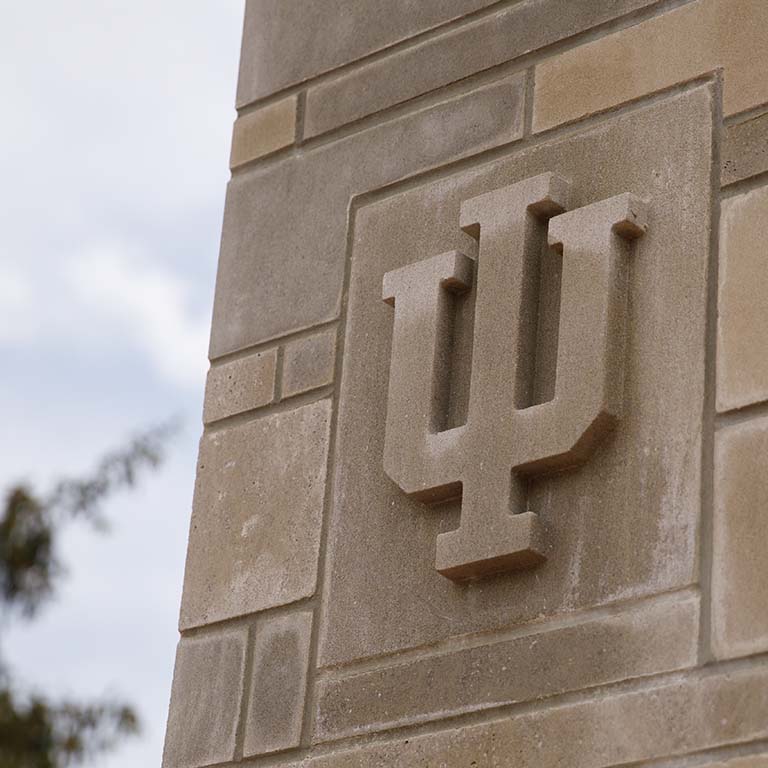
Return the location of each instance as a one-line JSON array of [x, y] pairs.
[[449, 57], [742, 326], [744, 151], [689, 714], [667, 49], [288, 41], [256, 517], [740, 569], [240, 385], [620, 526], [205, 700], [752, 761], [278, 684], [648, 640], [284, 240], [263, 131], [308, 363]]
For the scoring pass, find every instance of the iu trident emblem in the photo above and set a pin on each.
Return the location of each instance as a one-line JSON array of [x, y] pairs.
[[489, 460]]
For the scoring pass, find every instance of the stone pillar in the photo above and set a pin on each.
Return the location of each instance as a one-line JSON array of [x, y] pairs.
[[517, 513]]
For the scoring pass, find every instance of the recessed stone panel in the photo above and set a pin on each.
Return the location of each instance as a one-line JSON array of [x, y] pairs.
[[621, 526], [257, 513]]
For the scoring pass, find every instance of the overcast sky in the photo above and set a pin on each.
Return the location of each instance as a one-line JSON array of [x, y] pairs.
[[114, 143]]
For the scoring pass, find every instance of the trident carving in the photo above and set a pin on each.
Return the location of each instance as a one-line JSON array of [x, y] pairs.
[[488, 460]]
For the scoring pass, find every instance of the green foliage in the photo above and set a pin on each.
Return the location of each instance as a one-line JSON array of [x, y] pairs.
[[35, 732]]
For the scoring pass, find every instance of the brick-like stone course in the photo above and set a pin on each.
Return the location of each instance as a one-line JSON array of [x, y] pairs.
[[744, 151], [670, 48], [308, 363], [278, 684], [205, 700], [740, 566], [257, 513], [645, 641], [742, 324], [263, 131], [240, 385]]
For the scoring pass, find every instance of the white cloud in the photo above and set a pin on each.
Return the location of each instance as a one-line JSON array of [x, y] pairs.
[[148, 304], [19, 321]]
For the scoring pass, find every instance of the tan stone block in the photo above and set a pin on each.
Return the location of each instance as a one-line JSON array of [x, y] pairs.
[[686, 715], [240, 385], [279, 683], [752, 761], [256, 518], [456, 54], [263, 131], [744, 151], [288, 41], [284, 240], [672, 48], [740, 568], [205, 700], [622, 525], [642, 641], [742, 326], [308, 363]]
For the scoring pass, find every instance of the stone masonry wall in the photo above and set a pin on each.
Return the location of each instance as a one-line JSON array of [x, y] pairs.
[[316, 630]]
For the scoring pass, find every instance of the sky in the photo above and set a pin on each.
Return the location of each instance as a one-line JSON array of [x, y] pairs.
[[114, 142]]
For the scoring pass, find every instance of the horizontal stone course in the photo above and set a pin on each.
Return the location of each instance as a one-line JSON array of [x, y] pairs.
[[742, 322], [284, 238], [740, 566], [647, 640], [691, 713], [470, 48], [240, 385], [256, 516], [744, 151], [308, 363], [668, 49], [263, 131], [288, 41]]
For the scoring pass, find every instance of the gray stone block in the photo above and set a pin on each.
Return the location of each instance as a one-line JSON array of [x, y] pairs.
[[621, 526], [309, 363], [257, 513], [278, 684], [744, 150], [285, 227], [205, 700]]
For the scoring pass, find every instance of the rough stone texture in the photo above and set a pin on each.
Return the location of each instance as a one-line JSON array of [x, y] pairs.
[[263, 131], [278, 685], [697, 712], [205, 700], [742, 363], [475, 46], [672, 48], [623, 525], [284, 223], [657, 638], [256, 518], [740, 568], [308, 363], [744, 151], [753, 761], [240, 385], [288, 41]]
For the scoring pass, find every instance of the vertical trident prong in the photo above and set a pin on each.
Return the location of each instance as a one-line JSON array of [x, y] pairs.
[[489, 459]]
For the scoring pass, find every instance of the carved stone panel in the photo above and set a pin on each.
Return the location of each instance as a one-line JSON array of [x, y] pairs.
[[502, 388]]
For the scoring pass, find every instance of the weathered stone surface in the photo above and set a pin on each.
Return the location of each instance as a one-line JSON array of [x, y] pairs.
[[309, 363], [621, 526], [744, 151], [740, 567], [697, 712], [288, 222], [240, 385], [288, 41], [447, 58], [752, 761], [256, 518], [205, 700], [648, 640], [279, 683], [742, 363], [671, 48], [263, 131]]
